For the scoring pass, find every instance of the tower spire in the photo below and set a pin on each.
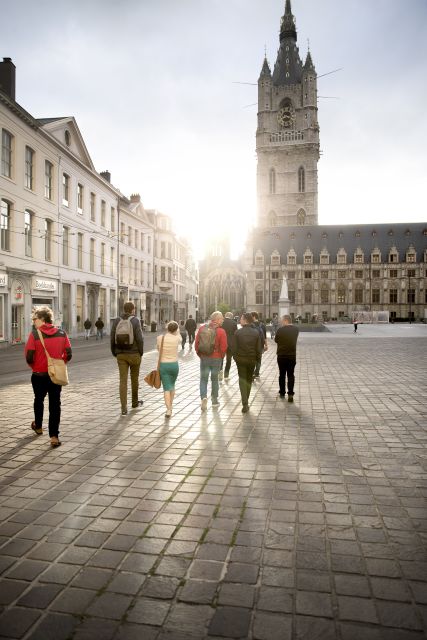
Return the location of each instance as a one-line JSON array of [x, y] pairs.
[[287, 27]]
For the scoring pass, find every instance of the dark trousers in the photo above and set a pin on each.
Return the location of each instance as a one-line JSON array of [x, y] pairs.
[[258, 365], [183, 340], [286, 368], [42, 386], [245, 369], [191, 337], [228, 360]]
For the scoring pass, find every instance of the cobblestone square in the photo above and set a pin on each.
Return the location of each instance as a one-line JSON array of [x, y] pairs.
[[300, 521]]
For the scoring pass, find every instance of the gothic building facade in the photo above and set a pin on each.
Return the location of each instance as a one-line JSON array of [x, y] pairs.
[[333, 272]]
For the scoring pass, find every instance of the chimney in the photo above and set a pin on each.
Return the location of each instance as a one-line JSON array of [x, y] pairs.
[[7, 77], [106, 175], [135, 197]]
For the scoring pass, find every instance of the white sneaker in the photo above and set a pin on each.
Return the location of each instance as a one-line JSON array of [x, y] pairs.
[[204, 404]]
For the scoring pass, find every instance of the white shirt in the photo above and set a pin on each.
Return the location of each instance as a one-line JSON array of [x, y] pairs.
[[170, 346]]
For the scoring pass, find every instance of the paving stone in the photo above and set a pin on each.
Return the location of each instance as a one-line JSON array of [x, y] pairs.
[[54, 627], [230, 622], [91, 578], [198, 592], [308, 628], [40, 596], [16, 621], [237, 595], [148, 612], [313, 604], [270, 626], [10, 590], [206, 570], [403, 615], [59, 573], [95, 629], [351, 585], [136, 632], [159, 587], [361, 609], [109, 605], [275, 599]]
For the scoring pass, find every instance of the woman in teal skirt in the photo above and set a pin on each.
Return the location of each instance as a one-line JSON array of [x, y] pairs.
[[169, 363]]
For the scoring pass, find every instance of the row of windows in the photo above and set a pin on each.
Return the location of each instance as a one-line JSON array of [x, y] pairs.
[[133, 271], [343, 297], [135, 238], [300, 180], [7, 170], [341, 257], [376, 273]]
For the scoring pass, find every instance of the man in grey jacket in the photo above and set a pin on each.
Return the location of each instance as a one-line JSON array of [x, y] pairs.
[[128, 348]]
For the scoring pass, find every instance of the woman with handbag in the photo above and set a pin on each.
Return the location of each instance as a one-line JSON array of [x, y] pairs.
[[46, 343], [168, 361]]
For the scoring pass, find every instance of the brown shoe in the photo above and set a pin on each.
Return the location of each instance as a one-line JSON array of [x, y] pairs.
[[54, 442], [37, 430]]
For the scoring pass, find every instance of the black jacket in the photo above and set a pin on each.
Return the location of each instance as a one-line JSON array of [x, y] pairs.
[[248, 344], [191, 325], [230, 327], [138, 341], [286, 338]]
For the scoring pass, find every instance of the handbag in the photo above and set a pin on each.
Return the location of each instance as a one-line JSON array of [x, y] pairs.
[[56, 367], [153, 378]]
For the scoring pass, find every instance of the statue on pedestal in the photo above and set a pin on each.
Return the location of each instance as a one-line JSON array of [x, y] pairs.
[[284, 299]]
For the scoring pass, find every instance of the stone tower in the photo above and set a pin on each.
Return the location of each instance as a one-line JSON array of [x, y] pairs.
[[287, 137]]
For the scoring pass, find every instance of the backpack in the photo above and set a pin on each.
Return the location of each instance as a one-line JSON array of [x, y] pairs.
[[124, 333], [207, 337]]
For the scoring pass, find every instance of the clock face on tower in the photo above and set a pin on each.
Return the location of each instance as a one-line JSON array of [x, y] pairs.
[[285, 116]]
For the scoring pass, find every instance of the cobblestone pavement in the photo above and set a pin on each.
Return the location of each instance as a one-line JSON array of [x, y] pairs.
[[294, 521]]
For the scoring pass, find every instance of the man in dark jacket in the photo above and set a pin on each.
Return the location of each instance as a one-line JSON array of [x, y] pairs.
[[128, 351], [286, 338], [230, 327], [261, 328], [191, 327], [247, 348], [99, 329]]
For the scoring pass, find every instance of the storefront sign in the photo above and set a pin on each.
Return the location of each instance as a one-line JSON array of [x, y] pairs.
[[44, 285], [3, 279]]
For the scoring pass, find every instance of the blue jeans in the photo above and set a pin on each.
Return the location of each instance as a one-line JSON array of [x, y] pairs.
[[209, 366]]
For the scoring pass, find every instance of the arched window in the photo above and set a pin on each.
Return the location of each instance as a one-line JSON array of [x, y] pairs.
[[272, 219], [272, 181], [301, 216], [301, 180]]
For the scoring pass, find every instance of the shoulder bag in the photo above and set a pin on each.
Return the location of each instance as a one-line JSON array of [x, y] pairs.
[[153, 378], [56, 367]]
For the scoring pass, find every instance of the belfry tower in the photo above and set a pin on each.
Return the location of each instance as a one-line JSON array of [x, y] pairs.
[[287, 137]]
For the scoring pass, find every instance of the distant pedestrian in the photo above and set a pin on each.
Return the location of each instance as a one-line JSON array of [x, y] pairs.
[[230, 327], [57, 344], [355, 326], [87, 325], [183, 333], [211, 347], [127, 345], [169, 367], [191, 327], [286, 339], [274, 326], [259, 326], [247, 347], [99, 329]]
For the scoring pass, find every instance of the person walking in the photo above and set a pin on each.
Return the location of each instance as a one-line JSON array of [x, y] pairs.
[[211, 347], [169, 368], [99, 329], [286, 339], [259, 326], [191, 327], [87, 325], [57, 344], [247, 347], [230, 327], [355, 326], [183, 333], [274, 326], [127, 345]]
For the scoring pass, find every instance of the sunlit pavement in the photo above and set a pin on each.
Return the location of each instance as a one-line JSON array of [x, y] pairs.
[[302, 521]]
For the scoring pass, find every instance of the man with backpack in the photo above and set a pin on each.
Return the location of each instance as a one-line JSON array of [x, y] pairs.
[[211, 347], [127, 345], [259, 326]]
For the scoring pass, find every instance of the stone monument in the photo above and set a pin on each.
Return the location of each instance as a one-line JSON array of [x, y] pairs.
[[284, 299]]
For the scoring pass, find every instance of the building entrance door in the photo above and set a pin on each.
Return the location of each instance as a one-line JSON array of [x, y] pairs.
[[17, 323]]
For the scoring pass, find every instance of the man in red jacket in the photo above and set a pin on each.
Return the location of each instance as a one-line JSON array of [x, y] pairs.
[[211, 347], [58, 346]]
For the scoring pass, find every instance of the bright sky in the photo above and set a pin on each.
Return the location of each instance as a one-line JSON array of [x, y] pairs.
[[151, 85]]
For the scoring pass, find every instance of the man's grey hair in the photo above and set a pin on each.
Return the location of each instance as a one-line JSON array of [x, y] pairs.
[[216, 315], [287, 318], [229, 315]]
